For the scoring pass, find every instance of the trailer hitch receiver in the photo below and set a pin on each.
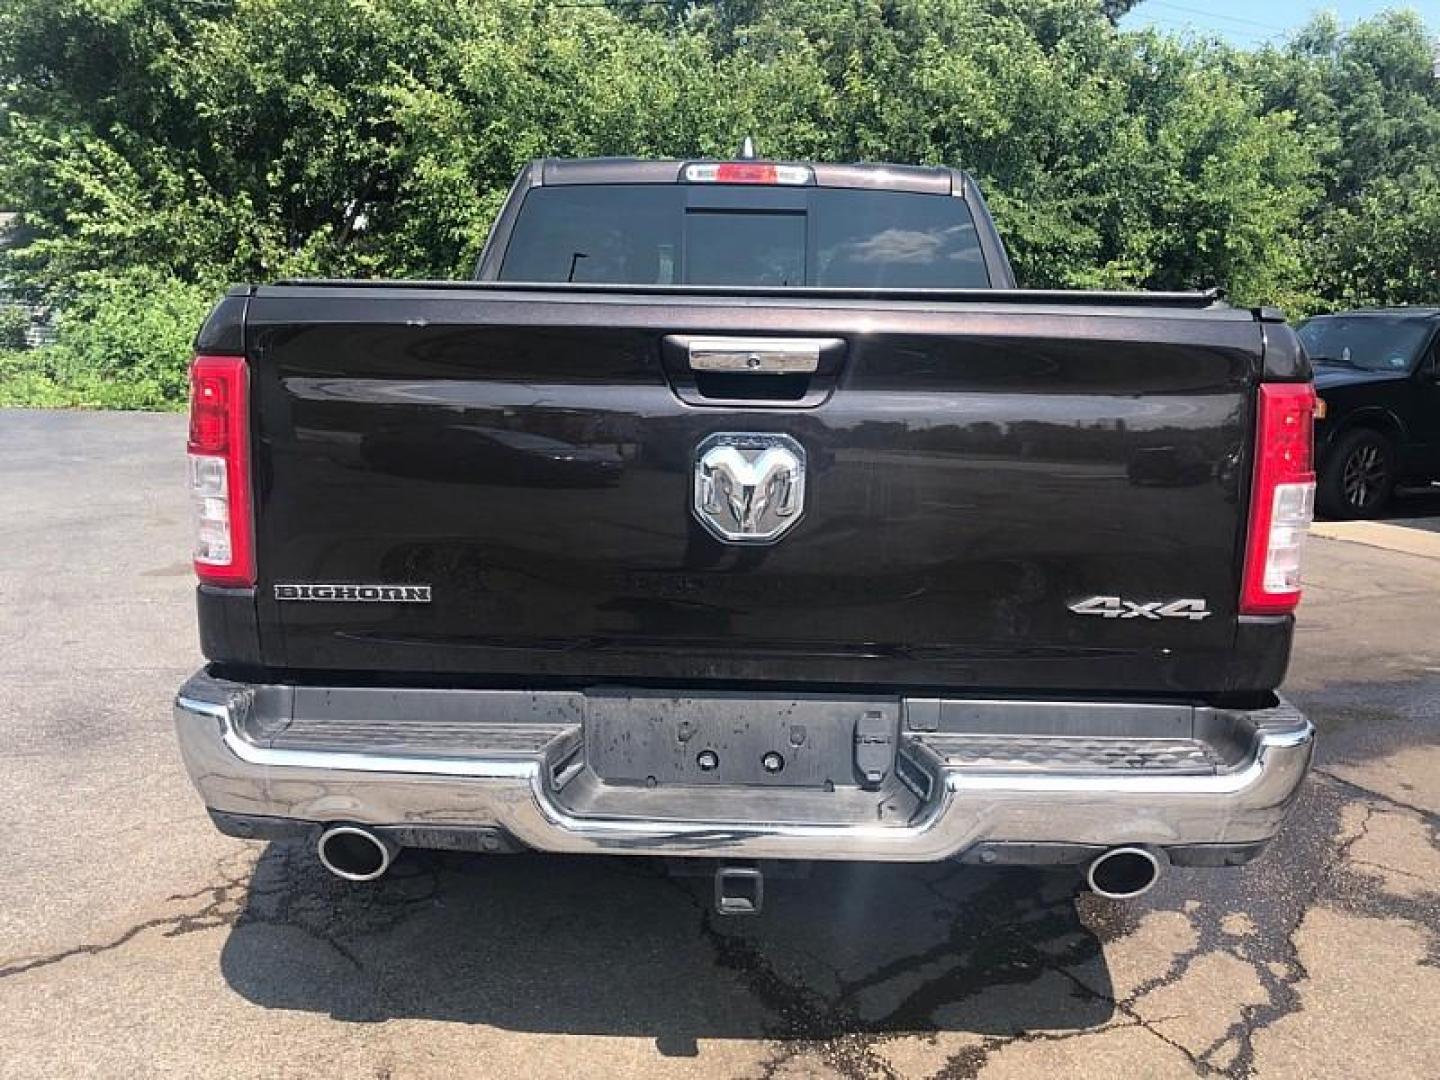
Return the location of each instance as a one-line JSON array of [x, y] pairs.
[[739, 890]]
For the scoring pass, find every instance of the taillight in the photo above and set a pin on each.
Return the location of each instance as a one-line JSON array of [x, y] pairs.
[[219, 448], [747, 172], [1282, 498]]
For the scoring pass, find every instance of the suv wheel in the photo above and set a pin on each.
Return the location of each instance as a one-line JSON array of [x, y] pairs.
[[1359, 476]]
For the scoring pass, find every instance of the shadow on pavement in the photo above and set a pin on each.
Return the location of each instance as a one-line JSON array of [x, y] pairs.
[[617, 947], [1418, 505]]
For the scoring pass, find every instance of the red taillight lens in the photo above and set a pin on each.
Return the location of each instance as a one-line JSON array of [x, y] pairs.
[[1282, 498], [733, 173], [747, 172], [219, 449]]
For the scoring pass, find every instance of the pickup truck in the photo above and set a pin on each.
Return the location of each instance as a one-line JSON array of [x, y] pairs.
[[746, 511]]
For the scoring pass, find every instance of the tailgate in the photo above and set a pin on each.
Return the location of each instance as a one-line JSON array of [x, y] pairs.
[[972, 472]]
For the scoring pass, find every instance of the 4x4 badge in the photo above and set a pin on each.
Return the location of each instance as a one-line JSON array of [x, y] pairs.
[[1116, 607]]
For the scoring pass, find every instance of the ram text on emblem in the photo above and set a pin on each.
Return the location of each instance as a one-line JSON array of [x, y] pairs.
[[749, 487]]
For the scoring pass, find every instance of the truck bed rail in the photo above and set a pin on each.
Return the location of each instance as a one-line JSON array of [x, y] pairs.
[[1203, 300]]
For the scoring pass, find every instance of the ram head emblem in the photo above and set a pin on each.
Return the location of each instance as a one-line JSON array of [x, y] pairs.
[[749, 488]]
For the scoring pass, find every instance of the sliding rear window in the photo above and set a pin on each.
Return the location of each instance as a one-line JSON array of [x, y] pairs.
[[660, 234]]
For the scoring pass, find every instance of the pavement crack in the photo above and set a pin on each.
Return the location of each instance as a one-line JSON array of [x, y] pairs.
[[234, 902], [830, 1029], [1370, 793], [21, 966], [209, 917], [1423, 878], [1126, 1008], [807, 1021]]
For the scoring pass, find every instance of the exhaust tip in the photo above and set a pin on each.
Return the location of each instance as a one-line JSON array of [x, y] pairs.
[[353, 853], [1123, 873]]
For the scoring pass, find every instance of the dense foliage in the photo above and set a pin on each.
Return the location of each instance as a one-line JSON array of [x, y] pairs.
[[158, 149]]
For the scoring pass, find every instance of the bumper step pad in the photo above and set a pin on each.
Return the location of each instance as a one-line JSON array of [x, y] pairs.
[[1074, 754]]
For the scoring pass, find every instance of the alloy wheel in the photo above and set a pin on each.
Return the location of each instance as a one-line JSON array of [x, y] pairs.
[[1363, 478]]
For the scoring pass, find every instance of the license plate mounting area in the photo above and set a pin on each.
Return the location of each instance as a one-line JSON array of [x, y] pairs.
[[657, 739]]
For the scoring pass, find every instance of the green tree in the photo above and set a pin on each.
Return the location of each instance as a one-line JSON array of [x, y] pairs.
[[160, 149], [1368, 104], [1109, 159]]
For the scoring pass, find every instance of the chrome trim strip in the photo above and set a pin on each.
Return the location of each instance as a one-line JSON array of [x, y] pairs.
[[759, 356]]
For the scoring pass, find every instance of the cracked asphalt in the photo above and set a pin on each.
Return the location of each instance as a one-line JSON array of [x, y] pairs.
[[134, 940]]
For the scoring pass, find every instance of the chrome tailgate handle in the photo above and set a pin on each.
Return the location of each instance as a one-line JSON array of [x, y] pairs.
[[758, 356]]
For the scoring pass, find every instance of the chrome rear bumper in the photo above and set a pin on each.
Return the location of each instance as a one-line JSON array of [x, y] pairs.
[[968, 775]]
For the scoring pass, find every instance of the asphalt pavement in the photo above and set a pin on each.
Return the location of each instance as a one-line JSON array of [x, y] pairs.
[[134, 940]]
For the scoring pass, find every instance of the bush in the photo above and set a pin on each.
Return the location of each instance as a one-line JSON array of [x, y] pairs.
[[14, 322], [124, 346], [26, 379]]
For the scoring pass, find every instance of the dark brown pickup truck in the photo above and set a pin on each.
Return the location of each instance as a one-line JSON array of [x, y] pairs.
[[748, 511]]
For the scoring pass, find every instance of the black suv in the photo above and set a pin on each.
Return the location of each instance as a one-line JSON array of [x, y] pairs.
[[1378, 375]]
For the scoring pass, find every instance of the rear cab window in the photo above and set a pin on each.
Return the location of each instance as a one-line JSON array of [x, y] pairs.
[[738, 235]]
